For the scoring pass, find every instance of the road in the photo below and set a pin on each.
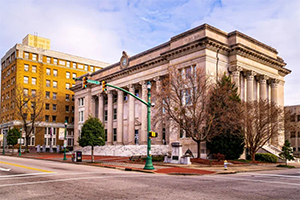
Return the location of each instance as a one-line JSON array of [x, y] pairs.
[[22, 178]]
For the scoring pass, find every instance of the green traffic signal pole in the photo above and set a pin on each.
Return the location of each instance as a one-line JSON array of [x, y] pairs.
[[3, 152], [20, 141], [65, 140], [148, 164]]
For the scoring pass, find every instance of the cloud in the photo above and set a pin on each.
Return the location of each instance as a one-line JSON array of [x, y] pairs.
[[102, 29]]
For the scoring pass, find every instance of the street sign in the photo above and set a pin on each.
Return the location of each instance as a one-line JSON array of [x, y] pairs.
[[94, 82], [20, 141], [61, 134]]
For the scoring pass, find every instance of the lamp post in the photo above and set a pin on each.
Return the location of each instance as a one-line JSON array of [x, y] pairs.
[[20, 141], [149, 164], [3, 152], [65, 140]]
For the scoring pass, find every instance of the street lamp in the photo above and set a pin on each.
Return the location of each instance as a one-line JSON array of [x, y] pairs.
[[65, 140], [149, 164], [20, 141], [3, 152]]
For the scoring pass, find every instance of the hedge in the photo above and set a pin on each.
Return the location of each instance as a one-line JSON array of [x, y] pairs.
[[266, 157]]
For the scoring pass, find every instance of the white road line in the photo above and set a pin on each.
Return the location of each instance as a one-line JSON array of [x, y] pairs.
[[3, 169], [69, 179], [297, 177], [251, 180], [31, 174]]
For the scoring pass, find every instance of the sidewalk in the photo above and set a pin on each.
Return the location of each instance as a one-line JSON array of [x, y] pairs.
[[123, 163]]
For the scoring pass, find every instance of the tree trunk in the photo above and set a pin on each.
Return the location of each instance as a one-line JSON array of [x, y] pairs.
[[12, 153], [92, 154], [252, 155], [26, 146], [199, 149]]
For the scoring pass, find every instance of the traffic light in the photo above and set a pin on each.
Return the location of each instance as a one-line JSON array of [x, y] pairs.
[[84, 82], [152, 134], [103, 86]]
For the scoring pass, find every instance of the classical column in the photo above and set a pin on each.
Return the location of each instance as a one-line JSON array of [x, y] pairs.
[[93, 106], [143, 138], [110, 117], [274, 88], [101, 108], [250, 78], [131, 116], [263, 87], [158, 126], [120, 117], [235, 74]]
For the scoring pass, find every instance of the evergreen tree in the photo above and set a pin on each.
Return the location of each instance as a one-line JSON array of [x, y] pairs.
[[12, 137], [92, 134], [227, 125], [287, 152]]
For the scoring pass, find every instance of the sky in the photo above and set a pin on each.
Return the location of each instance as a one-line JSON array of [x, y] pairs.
[[102, 29]]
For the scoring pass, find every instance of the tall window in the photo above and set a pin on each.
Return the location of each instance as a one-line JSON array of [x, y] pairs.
[[54, 72], [34, 57], [67, 108], [47, 118], [54, 61], [26, 55], [48, 71], [26, 68], [68, 63], [48, 60], [74, 65], [67, 74], [85, 67], [105, 115], [81, 102], [25, 79], [53, 118], [33, 81], [47, 83], [33, 69], [67, 97], [81, 116], [115, 113], [48, 95], [54, 84], [115, 134], [67, 86], [25, 91], [54, 107], [74, 75], [33, 93], [54, 95], [47, 106]]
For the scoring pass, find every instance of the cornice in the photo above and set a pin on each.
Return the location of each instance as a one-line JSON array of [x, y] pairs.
[[242, 35]]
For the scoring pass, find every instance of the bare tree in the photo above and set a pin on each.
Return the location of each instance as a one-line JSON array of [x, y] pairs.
[[263, 121], [183, 99], [28, 109]]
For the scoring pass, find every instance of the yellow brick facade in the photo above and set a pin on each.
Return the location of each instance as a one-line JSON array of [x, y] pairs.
[[51, 73]]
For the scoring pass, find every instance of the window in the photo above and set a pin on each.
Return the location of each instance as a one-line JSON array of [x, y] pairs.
[[48, 71], [67, 97], [188, 71], [164, 136], [33, 93], [47, 118], [33, 69], [34, 57], [54, 107], [72, 109], [81, 102], [47, 83], [74, 75], [67, 108], [67, 86], [26, 55], [188, 97], [81, 116], [48, 60], [26, 68], [115, 98], [54, 84], [70, 141], [115, 134], [105, 134], [68, 63], [85, 67], [136, 92], [115, 113], [48, 95], [25, 91], [54, 95], [54, 72], [72, 120], [298, 118], [54, 61], [125, 97], [33, 81], [74, 65], [53, 118], [25, 79], [91, 68], [293, 134], [105, 115], [47, 106], [67, 74], [62, 62], [73, 96]]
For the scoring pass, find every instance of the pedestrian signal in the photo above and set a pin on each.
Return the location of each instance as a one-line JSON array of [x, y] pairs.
[[84, 82], [152, 134], [103, 86]]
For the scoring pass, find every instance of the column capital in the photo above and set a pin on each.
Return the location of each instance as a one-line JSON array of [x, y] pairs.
[[157, 78], [234, 68], [131, 86], [250, 74], [120, 92], [274, 82], [263, 78], [109, 92]]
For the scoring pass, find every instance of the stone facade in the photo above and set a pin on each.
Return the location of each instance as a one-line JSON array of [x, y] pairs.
[[254, 67]]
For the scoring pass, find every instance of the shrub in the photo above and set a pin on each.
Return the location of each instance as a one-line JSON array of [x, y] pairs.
[[219, 156], [286, 166], [62, 150], [266, 157]]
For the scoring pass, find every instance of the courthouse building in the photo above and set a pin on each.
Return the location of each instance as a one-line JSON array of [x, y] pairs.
[[254, 66], [36, 68]]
